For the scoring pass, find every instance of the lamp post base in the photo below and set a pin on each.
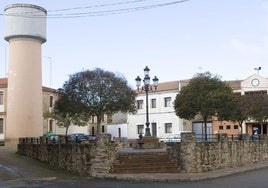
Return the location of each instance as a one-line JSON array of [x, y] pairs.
[[147, 132], [148, 142]]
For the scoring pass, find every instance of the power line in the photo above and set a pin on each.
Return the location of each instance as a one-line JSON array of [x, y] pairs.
[[97, 6], [87, 7], [114, 11], [101, 12]]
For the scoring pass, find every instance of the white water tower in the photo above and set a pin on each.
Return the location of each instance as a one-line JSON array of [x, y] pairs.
[[25, 30]]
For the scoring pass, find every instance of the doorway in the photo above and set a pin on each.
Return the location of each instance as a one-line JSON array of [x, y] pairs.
[[119, 133], [154, 130], [256, 129]]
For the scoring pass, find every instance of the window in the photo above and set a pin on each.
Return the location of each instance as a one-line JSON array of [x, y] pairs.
[[168, 127], [1, 125], [153, 103], [93, 131], [167, 101], [102, 129], [119, 132], [50, 125], [235, 126], [228, 127], [92, 119], [220, 127], [140, 104], [102, 117], [51, 101], [140, 129], [1, 97], [260, 92]]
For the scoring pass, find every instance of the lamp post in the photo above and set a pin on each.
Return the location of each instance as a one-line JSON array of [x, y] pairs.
[[257, 69], [147, 87]]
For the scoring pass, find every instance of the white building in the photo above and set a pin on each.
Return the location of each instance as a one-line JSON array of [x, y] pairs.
[[118, 126], [162, 117]]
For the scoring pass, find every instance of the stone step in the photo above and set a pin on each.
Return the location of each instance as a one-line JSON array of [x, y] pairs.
[[133, 156], [145, 160], [147, 163], [146, 169], [154, 162]]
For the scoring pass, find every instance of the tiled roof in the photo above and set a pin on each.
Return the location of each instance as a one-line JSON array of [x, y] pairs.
[[184, 82], [3, 81], [174, 85], [164, 86], [48, 89], [234, 84]]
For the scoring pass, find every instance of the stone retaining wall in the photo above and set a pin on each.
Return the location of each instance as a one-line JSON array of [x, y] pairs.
[[93, 159], [96, 159], [196, 157]]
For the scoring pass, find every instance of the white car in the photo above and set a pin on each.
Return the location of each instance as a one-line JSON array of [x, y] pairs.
[[172, 138]]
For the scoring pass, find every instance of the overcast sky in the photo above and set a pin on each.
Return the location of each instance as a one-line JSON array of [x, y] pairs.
[[228, 38]]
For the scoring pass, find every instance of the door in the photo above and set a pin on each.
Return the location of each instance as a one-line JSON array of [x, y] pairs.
[[154, 130], [119, 133]]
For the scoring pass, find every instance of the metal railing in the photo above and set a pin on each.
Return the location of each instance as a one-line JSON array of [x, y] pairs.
[[53, 140], [229, 137]]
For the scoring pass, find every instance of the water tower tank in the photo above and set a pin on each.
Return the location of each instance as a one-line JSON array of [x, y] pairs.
[[25, 20]]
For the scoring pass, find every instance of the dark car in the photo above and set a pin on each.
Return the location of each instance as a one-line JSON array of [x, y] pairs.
[[54, 138], [80, 137]]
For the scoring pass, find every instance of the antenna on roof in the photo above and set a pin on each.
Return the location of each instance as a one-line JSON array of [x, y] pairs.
[[257, 69]]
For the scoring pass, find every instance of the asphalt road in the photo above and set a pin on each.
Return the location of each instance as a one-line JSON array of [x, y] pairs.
[[19, 171]]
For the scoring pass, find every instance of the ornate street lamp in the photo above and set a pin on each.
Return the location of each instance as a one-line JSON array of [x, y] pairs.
[[147, 87]]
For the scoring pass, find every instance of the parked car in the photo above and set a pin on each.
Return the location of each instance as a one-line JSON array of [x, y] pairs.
[[80, 137], [91, 137], [54, 138], [171, 138]]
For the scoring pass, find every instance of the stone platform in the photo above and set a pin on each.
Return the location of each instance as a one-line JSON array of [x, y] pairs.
[[148, 142]]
